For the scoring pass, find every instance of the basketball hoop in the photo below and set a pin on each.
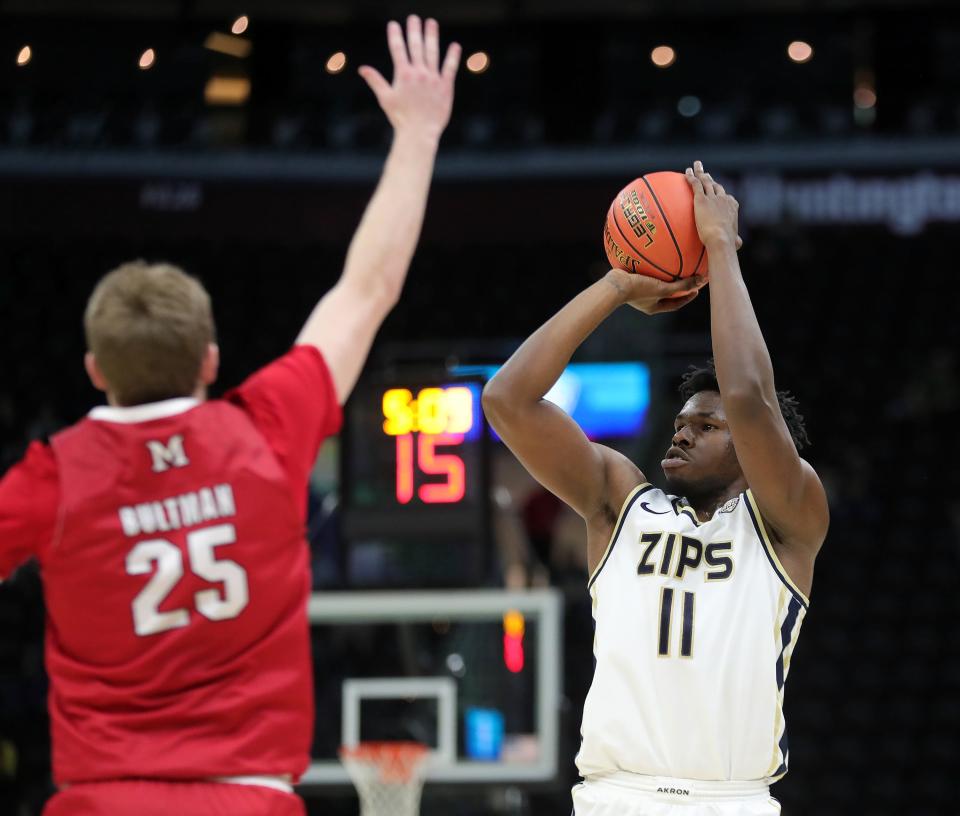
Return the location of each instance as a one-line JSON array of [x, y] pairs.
[[388, 776]]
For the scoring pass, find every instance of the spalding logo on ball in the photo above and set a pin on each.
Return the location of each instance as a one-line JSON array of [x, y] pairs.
[[651, 229]]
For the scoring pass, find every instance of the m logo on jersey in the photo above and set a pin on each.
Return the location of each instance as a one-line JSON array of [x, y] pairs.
[[167, 456]]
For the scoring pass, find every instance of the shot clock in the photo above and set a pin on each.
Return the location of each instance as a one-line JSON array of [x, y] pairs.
[[434, 419], [415, 484]]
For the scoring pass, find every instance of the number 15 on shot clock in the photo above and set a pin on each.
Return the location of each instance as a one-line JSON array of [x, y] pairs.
[[429, 427], [414, 481]]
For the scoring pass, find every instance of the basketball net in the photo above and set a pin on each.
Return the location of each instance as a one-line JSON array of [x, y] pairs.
[[388, 776]]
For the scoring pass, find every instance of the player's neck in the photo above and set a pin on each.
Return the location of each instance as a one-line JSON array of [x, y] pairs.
[[705, 506], [200, 394]]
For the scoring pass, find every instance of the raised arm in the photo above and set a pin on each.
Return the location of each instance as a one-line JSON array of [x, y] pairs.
[[787, 490], [418, 105], [593, 479]]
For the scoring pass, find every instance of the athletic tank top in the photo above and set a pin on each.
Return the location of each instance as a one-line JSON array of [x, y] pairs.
[[695, 626]]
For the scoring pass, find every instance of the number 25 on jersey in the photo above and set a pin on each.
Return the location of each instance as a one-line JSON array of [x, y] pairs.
[[166, 559]]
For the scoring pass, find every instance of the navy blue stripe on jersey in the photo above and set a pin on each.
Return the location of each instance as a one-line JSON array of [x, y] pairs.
[[786, 635], [679, 507], [616, 533], [766, 549], [785, 751], [786, 638]]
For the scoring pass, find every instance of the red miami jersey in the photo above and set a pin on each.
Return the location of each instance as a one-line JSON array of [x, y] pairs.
[[176, 576]]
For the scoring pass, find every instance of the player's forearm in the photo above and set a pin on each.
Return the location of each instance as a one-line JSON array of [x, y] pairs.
[[534, 367], [384, 243], [744, 369]]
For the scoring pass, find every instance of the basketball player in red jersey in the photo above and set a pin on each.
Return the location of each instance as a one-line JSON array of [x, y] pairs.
[[170, 529]]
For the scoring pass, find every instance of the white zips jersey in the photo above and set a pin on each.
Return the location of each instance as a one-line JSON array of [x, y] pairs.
[[695, 626]]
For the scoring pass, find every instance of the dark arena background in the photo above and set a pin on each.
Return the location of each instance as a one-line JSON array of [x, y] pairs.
[[148, 129]]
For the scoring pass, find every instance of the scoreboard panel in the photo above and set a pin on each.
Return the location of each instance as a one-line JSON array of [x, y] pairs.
[[415, 484]]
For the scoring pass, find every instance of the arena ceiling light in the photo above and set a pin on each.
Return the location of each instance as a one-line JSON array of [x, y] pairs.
[[336, 63], [147, 59], [228, 44], [800, 51], [24, 56], [240, 24], [478, 62], [226, 90], [663, 56]]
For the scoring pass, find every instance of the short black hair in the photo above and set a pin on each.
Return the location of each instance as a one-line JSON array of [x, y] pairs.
[[704, 378]]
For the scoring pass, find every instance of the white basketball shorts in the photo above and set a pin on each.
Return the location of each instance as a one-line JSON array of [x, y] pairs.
[[625, 794]]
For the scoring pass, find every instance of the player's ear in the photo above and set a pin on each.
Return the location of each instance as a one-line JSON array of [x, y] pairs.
[[94, 372], [210, 365]]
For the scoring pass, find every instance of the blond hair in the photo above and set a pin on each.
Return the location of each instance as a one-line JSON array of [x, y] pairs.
[[149, 326]]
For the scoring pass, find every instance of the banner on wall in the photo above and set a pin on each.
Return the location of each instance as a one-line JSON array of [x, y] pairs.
[[905, 204]]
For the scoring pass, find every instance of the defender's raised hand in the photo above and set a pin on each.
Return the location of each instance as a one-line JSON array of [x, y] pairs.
[[421, 95], [715, 210], [417, 103]]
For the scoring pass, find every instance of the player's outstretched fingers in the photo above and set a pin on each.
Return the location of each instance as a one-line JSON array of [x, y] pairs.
[[451, 62], [375, 80], [705, 178], [698, 173], [695, 183], [398, 49], [415, 39], [431, 44]]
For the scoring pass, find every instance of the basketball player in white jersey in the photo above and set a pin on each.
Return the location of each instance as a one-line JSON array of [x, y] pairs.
[[698, 589]]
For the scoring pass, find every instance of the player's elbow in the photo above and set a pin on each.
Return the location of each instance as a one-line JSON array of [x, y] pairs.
[[387, 291], [506, 402], [493, 400], [497, 404], [375, 298]]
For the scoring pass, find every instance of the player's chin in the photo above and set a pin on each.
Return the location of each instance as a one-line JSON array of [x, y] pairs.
[[679, 479]]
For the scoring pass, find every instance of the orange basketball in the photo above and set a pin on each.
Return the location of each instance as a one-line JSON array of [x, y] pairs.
[[651, 230]]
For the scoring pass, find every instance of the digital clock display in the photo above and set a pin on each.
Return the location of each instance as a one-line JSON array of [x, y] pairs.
[[415, 473], [428, 427]]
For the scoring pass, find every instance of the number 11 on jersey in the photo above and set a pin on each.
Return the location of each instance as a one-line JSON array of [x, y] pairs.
[[686, 621]]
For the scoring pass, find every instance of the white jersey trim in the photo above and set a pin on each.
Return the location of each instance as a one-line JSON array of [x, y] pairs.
[[129, 415], [280, 783], [690, 789], [641, 488]]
